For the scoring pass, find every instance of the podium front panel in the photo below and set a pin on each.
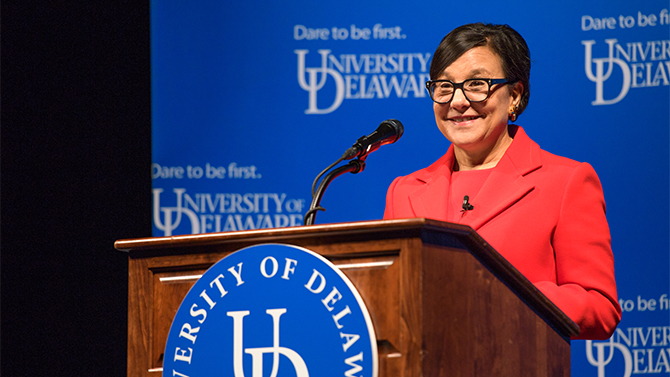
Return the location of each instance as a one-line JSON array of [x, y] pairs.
[[442, 302]]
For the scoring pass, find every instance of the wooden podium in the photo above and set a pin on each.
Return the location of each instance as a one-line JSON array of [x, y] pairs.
[[443, 302]]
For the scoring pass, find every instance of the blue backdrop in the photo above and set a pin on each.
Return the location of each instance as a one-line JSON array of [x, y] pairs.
[[252, 99]]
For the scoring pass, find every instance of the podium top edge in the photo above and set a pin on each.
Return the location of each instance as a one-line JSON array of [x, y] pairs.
[[395, 226]]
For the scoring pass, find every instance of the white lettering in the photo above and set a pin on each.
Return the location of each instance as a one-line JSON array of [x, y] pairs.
[[337, 317], [350, 340], [195, 313], [636, 360], [275, 267], [237, 273], [187, 332], [301, 32], [289, 268], [209, 300], [218, 285], [310, 284], [590, 23], [365, 75], [181, 356], [332, 298], [165, 172], [278, 201], [351, 361]]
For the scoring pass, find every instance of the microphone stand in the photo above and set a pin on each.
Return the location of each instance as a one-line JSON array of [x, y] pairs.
[[353, 167]]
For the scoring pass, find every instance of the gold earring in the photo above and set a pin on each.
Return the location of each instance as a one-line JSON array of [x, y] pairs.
[[512, 115]]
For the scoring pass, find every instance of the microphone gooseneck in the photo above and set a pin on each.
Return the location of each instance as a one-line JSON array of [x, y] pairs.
[[388, 132]]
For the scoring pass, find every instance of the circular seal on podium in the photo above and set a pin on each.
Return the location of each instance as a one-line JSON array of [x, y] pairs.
[[272, 310]]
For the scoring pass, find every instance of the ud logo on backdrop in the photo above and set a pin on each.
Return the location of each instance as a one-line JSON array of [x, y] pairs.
[[604, 354], [272, 310], [630, 65], [172, 216], [631, 351], [361, 76], [222, 212]]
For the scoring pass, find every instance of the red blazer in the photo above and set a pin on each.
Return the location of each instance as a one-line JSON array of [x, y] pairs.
[[545, 214]]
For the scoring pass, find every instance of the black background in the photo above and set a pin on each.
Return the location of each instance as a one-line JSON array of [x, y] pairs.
[[75, 177]]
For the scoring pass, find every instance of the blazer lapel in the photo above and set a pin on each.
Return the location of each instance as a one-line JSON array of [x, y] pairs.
[[504, 187], [507, 182], [500, 191], [430, 200]]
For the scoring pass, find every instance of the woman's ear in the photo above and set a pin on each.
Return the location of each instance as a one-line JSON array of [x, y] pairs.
[[516, 93]]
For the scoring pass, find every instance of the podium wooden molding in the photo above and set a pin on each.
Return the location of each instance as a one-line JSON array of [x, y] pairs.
[[443, 302]]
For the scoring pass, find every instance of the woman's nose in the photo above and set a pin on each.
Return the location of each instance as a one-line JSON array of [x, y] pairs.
[[459, 100]]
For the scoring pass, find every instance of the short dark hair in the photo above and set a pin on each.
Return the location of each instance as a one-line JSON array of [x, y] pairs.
[[504, 41]]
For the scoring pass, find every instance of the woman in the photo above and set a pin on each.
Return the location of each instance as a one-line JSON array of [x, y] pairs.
[[544, 213]]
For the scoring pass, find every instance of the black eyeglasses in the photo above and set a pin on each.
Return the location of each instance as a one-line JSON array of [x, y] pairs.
[[475, 90]]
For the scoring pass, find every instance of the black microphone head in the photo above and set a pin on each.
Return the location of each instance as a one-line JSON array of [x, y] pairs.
[[397, 126], [388, 132]]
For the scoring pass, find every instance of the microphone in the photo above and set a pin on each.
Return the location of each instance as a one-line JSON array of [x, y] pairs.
[[466, 204], [388, 132]]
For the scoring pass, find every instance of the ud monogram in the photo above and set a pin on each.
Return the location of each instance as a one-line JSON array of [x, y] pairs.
[[600, 361], [272, 311], [170, 224], [314, 83], [601, 75], [257, 353]]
